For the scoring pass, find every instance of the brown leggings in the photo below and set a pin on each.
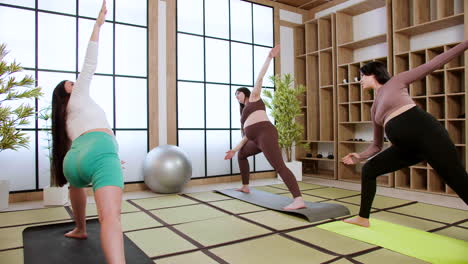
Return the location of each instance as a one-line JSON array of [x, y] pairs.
[[263, 137]]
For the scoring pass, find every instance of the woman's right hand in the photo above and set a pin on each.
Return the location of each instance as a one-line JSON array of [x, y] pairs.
[[230, 154], [351, 159], [102, 14]]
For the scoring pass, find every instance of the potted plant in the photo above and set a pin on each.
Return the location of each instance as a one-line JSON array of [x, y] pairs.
[[13, 88], [53, 195], [285, 107]]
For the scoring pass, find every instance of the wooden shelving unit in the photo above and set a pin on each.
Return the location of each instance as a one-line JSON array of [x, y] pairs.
[[314, 55], [442, 93], [354, 103]]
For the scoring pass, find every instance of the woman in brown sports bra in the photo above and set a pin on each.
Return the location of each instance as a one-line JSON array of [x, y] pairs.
[[260, 135], [415, 134]]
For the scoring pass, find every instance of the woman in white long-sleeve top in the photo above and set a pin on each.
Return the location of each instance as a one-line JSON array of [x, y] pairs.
[[85, 151]]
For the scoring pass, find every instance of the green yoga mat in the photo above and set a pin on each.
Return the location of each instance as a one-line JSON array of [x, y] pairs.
[[419, 244]]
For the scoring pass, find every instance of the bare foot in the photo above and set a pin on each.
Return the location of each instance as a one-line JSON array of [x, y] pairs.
[[78, 234], [360, 221], [297, 204], [244, 189]]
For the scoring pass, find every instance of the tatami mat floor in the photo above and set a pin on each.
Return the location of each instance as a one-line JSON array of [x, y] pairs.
[[200, 226]]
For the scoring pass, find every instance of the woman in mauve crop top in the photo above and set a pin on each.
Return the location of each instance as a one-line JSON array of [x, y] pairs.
[[84, 151], [260, 135], [415, 135]]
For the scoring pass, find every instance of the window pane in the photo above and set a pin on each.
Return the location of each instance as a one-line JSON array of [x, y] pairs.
[[235, 108], [19, 167], [133, 146], [132, 12], [261, 54], [106, 56], [261, 163], [14, 104], [241, 64], [68, 7], [193, 143], [241, 21], [263, 25], [266, 99], [217, 61], [25, 3], [217, 106], [102, 92], [57, 42], [191, 105], [48, 81], [217, 143], [91, 8], [190, 62], [20, 39], [217, 18], [190, 16], [236, 138], [45, 152], [130, 103], [130, 50]]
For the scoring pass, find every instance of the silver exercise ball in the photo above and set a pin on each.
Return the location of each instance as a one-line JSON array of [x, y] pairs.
[[167, 169]]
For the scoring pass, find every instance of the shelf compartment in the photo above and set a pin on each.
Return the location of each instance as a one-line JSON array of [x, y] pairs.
[[455, 106], [366, 111], [354, 92], [355, 112], [402, 178], [435, 83], [343, 113], [299, 43], [365, 42], [432, 25], [436, 107], [418, 179], [325, 33], [458, 61], [311, 39], [435, 183], [326, 114], [401, 63], [456, 130], [421, 102], [455, 81], [326, 68]]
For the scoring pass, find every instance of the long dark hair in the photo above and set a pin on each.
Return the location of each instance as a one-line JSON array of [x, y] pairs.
[[378, 69], [60, 141], [246, 92]]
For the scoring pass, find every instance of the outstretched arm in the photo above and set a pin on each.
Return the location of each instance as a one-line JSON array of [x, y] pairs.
[[441, 59], [256, 92], [232, 152], [90, 63]]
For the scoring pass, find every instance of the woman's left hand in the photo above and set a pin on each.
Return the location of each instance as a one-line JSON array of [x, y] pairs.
[[275, 51]]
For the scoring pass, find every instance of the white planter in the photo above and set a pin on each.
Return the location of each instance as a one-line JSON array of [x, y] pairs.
[[4, 194], [55, 196], [296, 168]]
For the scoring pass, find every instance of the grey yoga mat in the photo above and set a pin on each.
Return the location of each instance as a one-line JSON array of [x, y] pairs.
[[313, 213]]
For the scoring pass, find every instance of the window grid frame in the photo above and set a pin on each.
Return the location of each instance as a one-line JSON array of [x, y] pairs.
[[230, 84], [36, 70]]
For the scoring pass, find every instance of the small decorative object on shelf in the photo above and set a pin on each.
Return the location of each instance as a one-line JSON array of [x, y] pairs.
[[309, 155], [330, 156], [345, 81], [319, 156]]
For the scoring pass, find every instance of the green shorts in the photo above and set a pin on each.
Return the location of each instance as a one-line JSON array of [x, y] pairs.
[[93, 159]]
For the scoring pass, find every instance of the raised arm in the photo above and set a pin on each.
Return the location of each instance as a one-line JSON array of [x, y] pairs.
[[256, 92], [90, 62], [439, 60]]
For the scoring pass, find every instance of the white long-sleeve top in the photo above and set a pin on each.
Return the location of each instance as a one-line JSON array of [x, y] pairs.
[[83, 113]]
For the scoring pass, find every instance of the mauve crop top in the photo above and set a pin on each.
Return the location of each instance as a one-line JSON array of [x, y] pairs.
[[250, 108], [394, 94]]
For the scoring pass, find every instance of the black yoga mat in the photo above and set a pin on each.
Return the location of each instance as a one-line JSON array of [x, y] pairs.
[[313, 213], [46, 244]]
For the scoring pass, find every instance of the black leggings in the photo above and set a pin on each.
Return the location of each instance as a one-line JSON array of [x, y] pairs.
[[416, 136]]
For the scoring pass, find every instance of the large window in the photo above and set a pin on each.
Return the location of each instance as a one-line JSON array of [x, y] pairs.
[[221, 46], [49, 38]]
